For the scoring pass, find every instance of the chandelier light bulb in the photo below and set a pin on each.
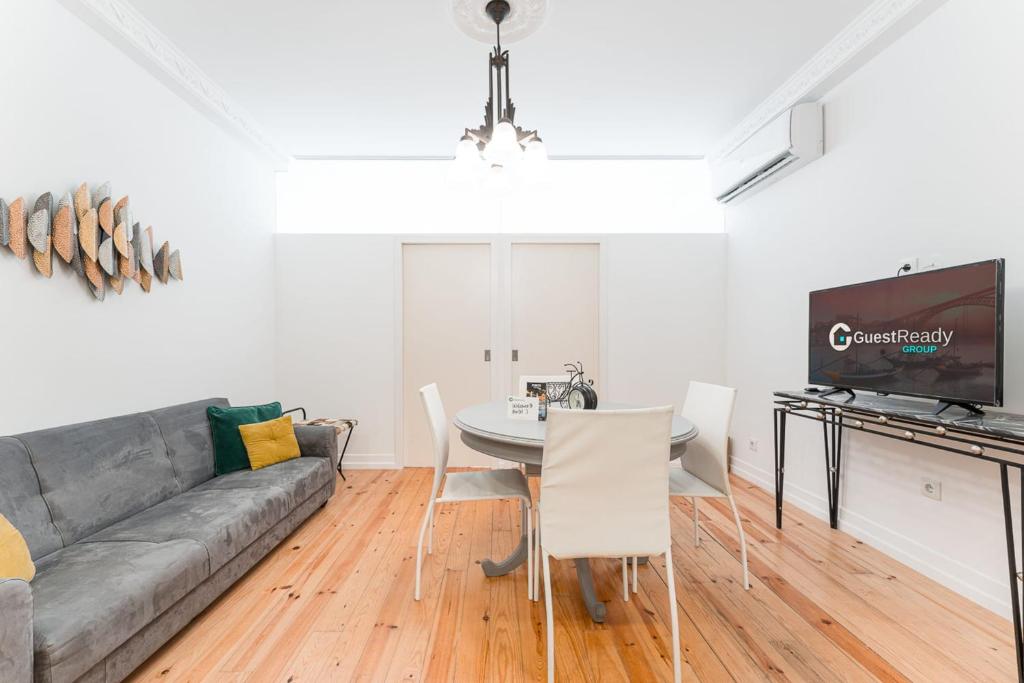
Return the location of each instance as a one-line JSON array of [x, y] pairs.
[[505, 136], [535, 153], [466, 152]]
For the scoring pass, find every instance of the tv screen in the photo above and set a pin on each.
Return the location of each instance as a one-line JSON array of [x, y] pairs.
[[936, 334]]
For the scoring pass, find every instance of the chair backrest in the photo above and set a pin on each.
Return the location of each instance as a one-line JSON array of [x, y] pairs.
[[604, 482], [438, 428], [709, 406]]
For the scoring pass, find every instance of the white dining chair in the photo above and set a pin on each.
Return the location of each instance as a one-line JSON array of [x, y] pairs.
[[499, 484], [604, 493], [705, 466]]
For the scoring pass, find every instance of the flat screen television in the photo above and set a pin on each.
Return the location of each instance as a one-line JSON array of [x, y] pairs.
[[936, 334]]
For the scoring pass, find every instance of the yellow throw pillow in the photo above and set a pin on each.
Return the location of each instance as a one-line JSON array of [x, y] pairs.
[[15, 560], [270, 442]]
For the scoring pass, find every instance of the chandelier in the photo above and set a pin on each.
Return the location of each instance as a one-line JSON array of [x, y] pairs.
[[499, 144]]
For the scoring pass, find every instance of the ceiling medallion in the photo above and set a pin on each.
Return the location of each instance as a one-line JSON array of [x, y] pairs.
[[499, 144], [524, 18]]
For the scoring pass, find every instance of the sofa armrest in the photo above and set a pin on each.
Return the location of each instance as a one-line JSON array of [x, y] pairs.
[[15, 631], [319, 441]]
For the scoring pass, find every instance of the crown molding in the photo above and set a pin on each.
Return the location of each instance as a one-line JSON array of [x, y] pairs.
[[874, 29], [124, 26]]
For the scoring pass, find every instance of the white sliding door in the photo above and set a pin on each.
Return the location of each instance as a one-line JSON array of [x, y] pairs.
[[446, 328]]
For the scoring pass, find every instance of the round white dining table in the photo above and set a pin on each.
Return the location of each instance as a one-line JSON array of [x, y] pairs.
[[487, 429]]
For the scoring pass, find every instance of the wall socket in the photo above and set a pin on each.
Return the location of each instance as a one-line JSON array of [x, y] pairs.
[[931, 488], [752, 445]]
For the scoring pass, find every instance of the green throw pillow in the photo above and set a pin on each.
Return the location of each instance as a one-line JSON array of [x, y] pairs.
[[228, 450]]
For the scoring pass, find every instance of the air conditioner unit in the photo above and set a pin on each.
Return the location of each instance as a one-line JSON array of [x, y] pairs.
[[788, 142]]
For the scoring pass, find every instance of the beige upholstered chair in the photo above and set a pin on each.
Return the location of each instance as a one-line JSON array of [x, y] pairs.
[[604, 493], [705, 467], [466, 486]]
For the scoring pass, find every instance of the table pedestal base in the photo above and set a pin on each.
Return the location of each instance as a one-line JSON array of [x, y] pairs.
[[584, 576]]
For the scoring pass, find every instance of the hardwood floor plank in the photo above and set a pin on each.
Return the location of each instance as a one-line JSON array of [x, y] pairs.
[[334, 602], [365, 581], [866, 616], [425, 646], [880, 583], [505, 651], [394, 617], [471, 646]]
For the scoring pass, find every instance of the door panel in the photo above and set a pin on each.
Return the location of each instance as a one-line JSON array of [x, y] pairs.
[[555, 309], [446, 326]]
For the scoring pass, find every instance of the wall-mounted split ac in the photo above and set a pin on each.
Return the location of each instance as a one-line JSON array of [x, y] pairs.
[[790, 141]]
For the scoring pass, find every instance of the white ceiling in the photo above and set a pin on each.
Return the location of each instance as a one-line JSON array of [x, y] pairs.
[[396, 78]]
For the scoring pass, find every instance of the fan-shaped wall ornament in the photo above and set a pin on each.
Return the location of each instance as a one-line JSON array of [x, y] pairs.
[[97, 238], [18, 238]]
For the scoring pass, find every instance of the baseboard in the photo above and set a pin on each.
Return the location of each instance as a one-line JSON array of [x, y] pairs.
[[965, 580], [370, 461]]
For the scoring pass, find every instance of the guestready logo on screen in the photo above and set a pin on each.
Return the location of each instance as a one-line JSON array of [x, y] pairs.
[[841, 337]]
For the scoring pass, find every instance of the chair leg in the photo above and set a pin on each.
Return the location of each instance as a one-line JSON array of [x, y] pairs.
[[634, 574], [530, 559], [430, 529], [625, 580], [536, 555], [677, 671], [549, 612], [419, 545], [696, 523], [743, 543]]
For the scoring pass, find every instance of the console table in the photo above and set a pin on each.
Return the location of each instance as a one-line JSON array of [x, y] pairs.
[[996, 437]]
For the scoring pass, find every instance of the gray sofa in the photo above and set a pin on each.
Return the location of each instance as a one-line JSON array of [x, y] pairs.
[[133, 536]]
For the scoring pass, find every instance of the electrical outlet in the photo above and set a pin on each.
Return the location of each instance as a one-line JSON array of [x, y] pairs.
[[752, 445], [931, 488], [901, 267]]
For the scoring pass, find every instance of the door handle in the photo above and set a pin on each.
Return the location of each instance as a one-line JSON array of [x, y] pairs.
[[487, 355], [515, 355]]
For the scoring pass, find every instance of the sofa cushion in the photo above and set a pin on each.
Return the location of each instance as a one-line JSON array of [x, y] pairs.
[[224, 522], [269, 443], [298, 479], [15, 558], [186, 431], [22, 502], [98, 473], [91, 597], [228, 450]]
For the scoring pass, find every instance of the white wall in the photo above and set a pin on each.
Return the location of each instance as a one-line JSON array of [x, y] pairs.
[[923, 149], [580, 196], [666, 309], [336, 325], [76, 109], [335, 298]]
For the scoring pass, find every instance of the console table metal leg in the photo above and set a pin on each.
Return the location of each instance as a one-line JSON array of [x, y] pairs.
[[833, 446], [1011, 559], [838, 463], [779, 424]]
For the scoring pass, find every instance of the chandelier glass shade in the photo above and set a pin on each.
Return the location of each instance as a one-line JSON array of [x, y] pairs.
[[499, 145]]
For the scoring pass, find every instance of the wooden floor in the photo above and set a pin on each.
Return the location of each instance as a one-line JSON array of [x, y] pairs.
[[334, 603]]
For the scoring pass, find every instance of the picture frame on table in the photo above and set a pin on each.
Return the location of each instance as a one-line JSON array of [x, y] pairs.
[[548, 388]]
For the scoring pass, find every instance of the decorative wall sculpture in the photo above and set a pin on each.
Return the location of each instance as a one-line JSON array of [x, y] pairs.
[[98, 238]]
